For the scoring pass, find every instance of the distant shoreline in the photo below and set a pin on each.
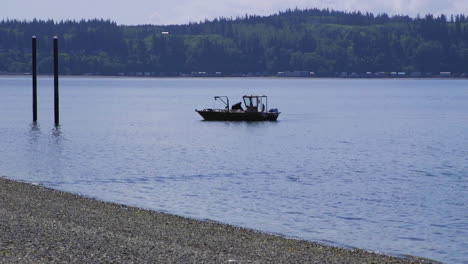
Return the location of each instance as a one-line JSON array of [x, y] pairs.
[[229, 77]]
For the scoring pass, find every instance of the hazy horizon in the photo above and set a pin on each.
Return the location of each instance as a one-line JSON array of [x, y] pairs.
[[184, 11]]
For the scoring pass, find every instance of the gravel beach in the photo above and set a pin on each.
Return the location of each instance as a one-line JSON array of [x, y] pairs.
[[41, 225]]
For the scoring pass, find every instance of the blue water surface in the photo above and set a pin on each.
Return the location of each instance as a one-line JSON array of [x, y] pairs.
[[374, 164]]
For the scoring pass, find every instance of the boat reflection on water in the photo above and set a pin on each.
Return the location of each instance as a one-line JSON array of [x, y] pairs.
[[255, 110]]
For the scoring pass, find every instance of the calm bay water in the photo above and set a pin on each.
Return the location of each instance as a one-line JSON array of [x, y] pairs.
[[374, 164]]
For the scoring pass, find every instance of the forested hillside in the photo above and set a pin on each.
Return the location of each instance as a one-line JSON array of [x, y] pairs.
[[322, 41]]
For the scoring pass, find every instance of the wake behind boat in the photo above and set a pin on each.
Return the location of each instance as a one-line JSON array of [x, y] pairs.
[[255, 110]]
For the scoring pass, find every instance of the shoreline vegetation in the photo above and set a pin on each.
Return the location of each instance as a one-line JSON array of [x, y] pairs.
[[39, 224], [436, 77], [292, 43]]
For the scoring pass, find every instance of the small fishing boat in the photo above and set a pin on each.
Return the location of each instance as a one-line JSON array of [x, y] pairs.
[[255, 110]]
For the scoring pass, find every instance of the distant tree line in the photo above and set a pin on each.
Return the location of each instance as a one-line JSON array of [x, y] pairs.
[[322, 41]]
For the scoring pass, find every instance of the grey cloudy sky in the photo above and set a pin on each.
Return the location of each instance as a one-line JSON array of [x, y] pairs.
[[132, 12]]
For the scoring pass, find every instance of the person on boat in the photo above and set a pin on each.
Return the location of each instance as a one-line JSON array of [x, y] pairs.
[[237, 106]]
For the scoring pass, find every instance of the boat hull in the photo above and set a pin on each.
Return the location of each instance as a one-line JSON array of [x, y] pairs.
[[210, 115]]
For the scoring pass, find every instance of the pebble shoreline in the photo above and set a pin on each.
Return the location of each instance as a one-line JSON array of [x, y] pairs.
[[39, 225]]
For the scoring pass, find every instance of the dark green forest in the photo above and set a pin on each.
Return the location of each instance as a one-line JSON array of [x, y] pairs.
[[326, 42]]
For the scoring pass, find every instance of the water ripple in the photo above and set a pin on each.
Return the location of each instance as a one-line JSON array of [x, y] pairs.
[[380, 165]]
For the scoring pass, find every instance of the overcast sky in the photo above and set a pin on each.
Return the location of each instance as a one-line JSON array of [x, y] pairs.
[[133, 12]]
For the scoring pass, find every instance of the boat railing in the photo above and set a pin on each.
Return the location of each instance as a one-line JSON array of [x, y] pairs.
[[215, 110]]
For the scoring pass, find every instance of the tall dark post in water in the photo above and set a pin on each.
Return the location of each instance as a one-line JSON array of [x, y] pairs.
[[34, 78], [56, 82]]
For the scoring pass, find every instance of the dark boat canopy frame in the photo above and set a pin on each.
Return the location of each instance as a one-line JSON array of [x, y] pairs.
[[256, 103], [253, 103], [256, 110]]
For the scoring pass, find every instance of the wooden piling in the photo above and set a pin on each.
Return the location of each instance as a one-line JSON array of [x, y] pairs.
[[34, 78], [56, 83]]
